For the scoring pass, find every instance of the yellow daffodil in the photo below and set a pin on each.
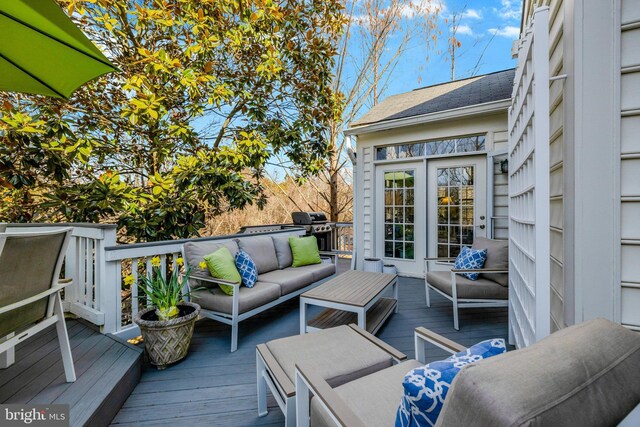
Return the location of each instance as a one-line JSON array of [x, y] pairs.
[[155, 261], [202, 265], [180, 261], [128, 280]]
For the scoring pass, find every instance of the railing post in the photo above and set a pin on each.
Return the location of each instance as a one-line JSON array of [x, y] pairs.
[[108, 284], [71, 272]]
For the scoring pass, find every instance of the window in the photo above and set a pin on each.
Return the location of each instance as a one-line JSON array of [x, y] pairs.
[[399, 214], [455, 209], [465, 144]]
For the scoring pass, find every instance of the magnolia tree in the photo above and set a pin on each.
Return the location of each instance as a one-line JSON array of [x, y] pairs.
[[208, 91]]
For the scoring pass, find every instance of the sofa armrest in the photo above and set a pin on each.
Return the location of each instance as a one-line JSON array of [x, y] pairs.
[[308, 382], [422, 336], [215, 280], [397, 355]]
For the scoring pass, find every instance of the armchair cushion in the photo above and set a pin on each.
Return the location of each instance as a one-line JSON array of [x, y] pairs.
[[426, 387], [497, 258], [471, 259], [467, 289]]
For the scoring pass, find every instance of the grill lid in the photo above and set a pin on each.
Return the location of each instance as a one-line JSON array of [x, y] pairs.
[[307, 218]]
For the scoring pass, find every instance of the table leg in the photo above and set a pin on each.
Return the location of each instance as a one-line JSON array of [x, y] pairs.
[[395, 294], [362, 319], [303, 316]]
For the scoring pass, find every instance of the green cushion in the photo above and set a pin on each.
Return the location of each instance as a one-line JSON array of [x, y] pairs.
[[304, 250], [222, 266]]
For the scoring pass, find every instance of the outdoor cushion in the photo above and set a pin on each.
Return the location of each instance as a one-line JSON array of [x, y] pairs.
[[497, 258], [304, 250], [374, 398], [338, 355], [283, 251], [289, 279], [472, 289], [194, 253], [426, 387], [587, 373], [471, 259], [247, 269], [221, 265], [248, 298], [261, 251], [319, 271]]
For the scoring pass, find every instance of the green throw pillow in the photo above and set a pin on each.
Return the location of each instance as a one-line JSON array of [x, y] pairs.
[[304, 250], [222, 266]]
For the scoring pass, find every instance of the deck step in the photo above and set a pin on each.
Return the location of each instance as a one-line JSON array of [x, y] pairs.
[[107, 371], [376, 316]]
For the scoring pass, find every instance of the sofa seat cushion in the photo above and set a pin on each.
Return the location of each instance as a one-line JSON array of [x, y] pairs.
[[373, 398], [465, 288], [194, 253], [261, 251], [497, 258], [583, 375], [337, 354], [319, 271], [289, 279], [248, 298]]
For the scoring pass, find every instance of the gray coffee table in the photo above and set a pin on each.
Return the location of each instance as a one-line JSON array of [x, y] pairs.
[[352, 297]]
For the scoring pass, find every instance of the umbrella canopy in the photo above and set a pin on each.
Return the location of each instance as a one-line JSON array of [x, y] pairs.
[[42, 52]]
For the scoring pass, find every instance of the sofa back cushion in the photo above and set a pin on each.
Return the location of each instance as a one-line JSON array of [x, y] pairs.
[[497, 258], [283, 251], [194, 253], [261, 251], [584, 375]]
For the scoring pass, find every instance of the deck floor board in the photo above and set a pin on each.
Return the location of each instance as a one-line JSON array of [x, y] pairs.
[[214, 387]]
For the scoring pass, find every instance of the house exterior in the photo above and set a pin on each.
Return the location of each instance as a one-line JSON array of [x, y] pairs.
[[592, 127], [428, 173]]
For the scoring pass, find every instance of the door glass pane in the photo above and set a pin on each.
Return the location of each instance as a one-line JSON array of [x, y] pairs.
[[399, 186], [456, 209]]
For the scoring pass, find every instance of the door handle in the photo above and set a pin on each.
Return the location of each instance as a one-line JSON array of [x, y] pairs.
[[480, 226]]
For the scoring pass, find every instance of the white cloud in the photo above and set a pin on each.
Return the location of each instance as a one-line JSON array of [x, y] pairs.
[[416, 7], [508, 31], [472, 14], [509, 11], [464, 29]]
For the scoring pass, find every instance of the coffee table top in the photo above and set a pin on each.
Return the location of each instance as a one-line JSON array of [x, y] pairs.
[[352, 287]]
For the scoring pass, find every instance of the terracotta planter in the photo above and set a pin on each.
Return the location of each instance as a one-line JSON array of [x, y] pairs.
[[167, 341]]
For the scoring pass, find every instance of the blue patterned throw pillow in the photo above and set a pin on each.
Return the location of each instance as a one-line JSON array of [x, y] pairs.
[[247, 269], [471, 259], [426, 388]]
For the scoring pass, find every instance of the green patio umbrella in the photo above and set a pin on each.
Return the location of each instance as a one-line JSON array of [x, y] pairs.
[[42, 52]]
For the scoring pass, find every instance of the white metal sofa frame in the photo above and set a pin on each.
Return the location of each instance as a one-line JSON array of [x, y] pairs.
[[307, 383], [54, 313], [460, 302], [270, 374], [235, 317]]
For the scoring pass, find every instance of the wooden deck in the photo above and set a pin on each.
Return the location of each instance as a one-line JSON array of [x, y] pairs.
[[213, 387], [106, 371]]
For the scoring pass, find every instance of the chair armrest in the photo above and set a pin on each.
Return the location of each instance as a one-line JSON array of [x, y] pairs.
[[280, 377], [440, 259], [328, 253], [397, 355], [328, 398], [423, 336], [215, 280], [52, 290], [478, 270]]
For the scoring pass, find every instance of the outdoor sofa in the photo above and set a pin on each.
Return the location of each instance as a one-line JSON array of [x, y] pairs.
[[277, 281], [583, 375]]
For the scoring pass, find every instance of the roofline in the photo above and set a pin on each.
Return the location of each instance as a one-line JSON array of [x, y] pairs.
[[467, 111], [461, 80]]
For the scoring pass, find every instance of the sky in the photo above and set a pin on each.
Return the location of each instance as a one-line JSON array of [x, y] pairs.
[[488, 26]]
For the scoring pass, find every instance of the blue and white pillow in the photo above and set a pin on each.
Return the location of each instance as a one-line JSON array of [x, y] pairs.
[[247, 269], [471, 259], [426, 388]]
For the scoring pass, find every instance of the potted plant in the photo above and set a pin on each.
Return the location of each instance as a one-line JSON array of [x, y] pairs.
[[167, 324]]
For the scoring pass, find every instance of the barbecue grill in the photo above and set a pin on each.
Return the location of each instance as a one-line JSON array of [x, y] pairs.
[[316, 224]]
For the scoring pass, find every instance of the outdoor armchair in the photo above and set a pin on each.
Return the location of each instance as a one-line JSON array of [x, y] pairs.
[[490, 290], [30, 301], [582, 375]]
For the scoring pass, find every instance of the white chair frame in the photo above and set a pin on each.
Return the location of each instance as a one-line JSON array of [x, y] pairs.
[[54, 314], [460, 302]]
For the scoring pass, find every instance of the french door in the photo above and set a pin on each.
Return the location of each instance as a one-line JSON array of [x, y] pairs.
[[456, 204]]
